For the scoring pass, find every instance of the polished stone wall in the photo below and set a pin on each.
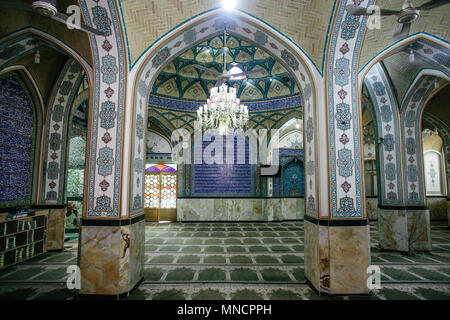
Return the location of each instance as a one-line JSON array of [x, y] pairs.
[[337, 257], [438, 208], [245, 209], [372, 208], [111, 258], [55, 233], [448, 213], [404, 230]]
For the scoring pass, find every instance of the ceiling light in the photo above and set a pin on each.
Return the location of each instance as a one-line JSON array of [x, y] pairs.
[[297, 126], [411, 57], [229, 4], [236, 70], [436, 83], [37, 57]]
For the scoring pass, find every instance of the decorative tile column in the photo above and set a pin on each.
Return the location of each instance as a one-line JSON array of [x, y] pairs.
[[392, 217], [112, 242], [337, 244]]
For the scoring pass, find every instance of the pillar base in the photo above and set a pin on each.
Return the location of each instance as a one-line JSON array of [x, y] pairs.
[[336, 257], [448, 213], [111, 256], [404, 230], [56, 225]]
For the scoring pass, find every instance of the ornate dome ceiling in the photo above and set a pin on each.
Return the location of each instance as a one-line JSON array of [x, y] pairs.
[[183, 81]]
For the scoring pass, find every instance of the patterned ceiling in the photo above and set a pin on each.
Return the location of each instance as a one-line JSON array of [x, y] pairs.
[[402, 72], [435, 22], [13, 20], [439, 105], [304, 21], [183, 81]]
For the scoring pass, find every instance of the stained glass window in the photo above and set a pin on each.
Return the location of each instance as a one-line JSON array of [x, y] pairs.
[[160, 190], [151, 191], [168, 191], [160, 168]]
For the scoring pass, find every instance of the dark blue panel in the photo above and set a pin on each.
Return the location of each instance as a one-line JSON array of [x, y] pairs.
[[19, 167], [14, 153], [16, 138], [224, 179], [6, 194], [13, 140], [254, 105], [16, 114], [8, 180], [23, 129]]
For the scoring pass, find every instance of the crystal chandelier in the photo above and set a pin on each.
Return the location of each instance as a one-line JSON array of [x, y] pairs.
[[223, 111]]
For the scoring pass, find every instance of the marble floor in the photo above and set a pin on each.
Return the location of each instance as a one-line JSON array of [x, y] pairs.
[[236, 261]]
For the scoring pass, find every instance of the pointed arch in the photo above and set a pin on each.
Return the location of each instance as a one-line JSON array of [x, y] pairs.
[[200, 28], [29, 159]]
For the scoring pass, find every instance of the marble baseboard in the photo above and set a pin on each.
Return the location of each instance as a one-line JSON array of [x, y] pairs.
[[393, 230], [438, 208], [111, 258], [56, 226], [404, 231], [246, 209], [448, 213], [137, 253], [311, 254], [372, 208], [419, 229]]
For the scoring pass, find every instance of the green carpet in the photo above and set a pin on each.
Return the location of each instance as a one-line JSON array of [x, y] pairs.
[[239, 261]]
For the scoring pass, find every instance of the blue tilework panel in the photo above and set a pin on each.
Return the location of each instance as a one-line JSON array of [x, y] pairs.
[[293, 179], [16, 141], [224, 179], [253, 105]]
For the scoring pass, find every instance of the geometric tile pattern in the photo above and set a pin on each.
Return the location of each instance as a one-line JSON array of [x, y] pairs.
[[243, 27], [181, 80], [15, 49], [253, 105], [58, 119], [18, 121], [387, 117], [224, 261], [344, 150]]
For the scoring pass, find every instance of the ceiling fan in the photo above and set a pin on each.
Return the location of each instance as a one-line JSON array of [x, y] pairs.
[[405, 17], [47, 8], [226, 75]]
